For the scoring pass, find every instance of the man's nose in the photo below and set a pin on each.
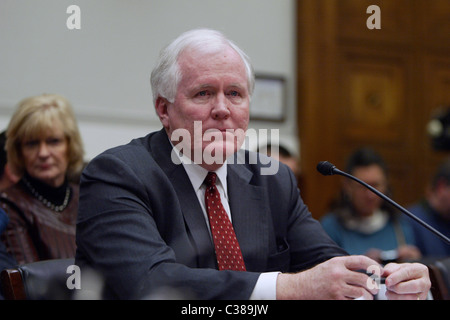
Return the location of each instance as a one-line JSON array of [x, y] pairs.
[[220, 108]]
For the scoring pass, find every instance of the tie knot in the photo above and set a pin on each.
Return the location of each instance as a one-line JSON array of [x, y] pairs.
[[210, 179]]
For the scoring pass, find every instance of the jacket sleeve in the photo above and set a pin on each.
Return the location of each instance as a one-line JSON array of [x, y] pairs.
[[19, 234], [306, 240], [118, 237]]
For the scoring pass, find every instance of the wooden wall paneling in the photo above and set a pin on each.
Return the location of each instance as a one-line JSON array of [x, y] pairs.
[[372, 97], [436, 92], [433, 43], [315, 96], [433, 22], [375, 109], [358, 86], [396, 21]]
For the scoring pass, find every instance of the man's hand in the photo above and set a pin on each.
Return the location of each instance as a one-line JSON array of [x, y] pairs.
[[336, 278], [406, 281]]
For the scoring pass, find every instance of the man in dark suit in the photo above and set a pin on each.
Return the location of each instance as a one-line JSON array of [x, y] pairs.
[[143, 223]]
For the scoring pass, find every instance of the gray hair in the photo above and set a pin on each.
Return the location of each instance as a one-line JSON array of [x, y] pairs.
[[166, 75]]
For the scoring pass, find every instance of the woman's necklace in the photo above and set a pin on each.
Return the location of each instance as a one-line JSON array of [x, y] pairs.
[[46, 202]]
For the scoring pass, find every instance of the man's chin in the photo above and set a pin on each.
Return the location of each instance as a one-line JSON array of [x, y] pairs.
[[217, 153]]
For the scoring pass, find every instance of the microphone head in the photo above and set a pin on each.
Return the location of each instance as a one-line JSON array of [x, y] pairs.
[[326, 168]]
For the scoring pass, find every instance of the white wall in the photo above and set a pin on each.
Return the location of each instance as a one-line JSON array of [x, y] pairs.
[[104, 67]]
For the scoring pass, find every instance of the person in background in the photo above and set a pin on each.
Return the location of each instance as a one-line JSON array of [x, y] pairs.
[[363, 223], [7, 179], [44, 148], [434, 209], [282, 154]]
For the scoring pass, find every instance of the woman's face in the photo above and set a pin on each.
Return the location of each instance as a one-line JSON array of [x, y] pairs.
[[46, 156]]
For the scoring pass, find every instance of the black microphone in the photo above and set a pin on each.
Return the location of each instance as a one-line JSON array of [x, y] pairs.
[[327, 169]]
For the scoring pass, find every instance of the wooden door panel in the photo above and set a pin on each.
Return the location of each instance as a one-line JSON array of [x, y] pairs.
[[372, 98]]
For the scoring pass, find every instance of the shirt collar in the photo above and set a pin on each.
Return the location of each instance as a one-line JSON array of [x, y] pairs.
[[197, 174]]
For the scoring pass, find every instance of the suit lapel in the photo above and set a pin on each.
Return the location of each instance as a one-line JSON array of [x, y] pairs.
[[249, 213], [196, 226], [194, 218], [250, 217]]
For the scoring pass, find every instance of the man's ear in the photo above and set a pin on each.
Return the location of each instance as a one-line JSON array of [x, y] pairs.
[[161, 106]]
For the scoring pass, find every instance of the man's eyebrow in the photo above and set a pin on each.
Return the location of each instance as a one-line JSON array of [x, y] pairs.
[[202, 86], [207, 85], [210, 85], [237, 85]]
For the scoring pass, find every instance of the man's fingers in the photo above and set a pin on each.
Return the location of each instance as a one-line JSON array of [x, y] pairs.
[[362, 276], [410, 280], [398, 273], [360, 263]]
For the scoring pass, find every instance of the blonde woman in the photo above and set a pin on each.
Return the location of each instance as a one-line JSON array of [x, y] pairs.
[[45, 149]]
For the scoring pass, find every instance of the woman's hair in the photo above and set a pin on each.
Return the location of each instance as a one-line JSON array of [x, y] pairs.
[[35, 116], [166, 75]]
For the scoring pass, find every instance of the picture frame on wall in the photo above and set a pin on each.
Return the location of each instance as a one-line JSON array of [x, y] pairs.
[[269, 98]]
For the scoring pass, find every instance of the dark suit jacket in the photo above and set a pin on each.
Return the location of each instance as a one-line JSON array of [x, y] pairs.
[[140, 225]]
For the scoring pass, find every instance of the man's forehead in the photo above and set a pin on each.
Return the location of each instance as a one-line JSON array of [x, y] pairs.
[[209, 65], [200, 56]]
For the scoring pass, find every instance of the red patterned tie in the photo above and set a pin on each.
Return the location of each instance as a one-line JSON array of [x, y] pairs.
[[228, 252]]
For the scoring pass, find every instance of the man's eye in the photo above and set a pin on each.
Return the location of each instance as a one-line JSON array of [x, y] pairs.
[[202, 93], [234, 93]]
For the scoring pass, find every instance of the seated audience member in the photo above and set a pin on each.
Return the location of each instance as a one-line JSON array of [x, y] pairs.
[[363, 223], [434, 209], [44, 148], [146, 207]]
